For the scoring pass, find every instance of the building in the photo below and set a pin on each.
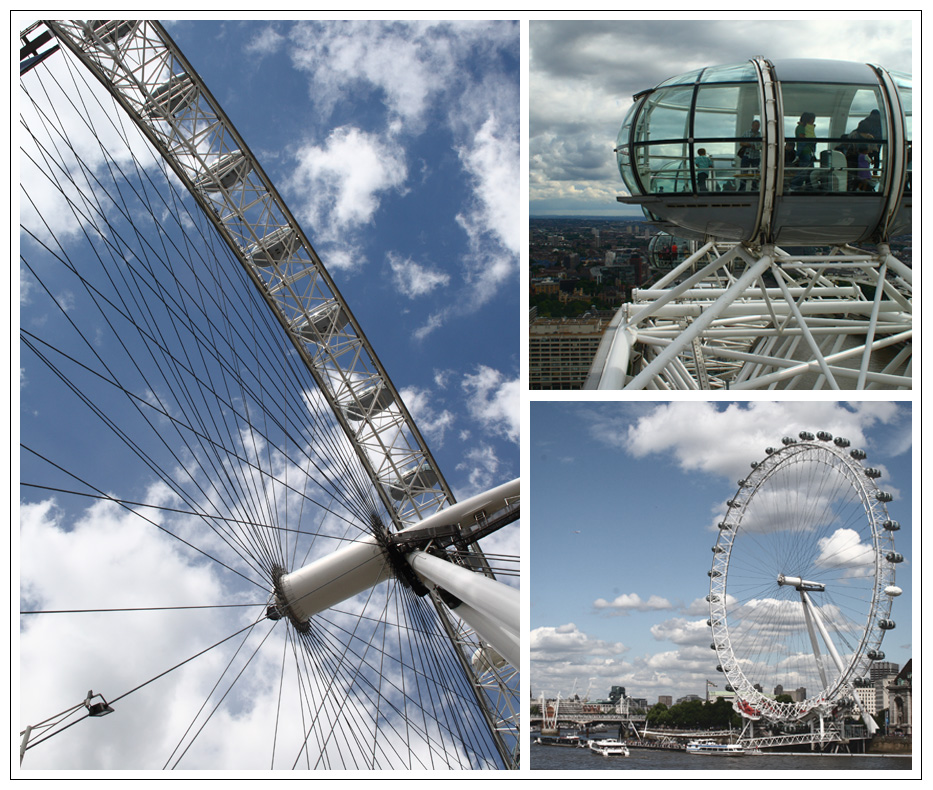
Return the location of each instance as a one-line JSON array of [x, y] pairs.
[[865, 694], [561, 351], [882, 669], [899, 694], [690, 698]]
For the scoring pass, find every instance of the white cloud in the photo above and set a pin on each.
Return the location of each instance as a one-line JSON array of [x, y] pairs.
[[403, 65], [701, 437], [843, 550], [494, 401], [435, 321], [406, 64], [266, 42], [61, 568], [492, 163], [431, 421], [414, 279], [481, 466], [48, 191], [681, 631], [565, 657], [567, 641], [342, 181], [627, 602], [410, 69]]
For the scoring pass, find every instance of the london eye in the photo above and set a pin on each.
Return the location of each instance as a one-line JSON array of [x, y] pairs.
[[802, 582], [310, 556]]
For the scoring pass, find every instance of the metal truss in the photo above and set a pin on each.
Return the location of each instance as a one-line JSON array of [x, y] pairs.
[[149, 76], [735, 316]]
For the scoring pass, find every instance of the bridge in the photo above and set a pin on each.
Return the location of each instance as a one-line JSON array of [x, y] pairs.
[[817, 740], [587, 720]]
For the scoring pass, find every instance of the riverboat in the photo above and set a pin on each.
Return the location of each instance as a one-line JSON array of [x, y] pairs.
[[711, 747], [559, 740], [609, 748]]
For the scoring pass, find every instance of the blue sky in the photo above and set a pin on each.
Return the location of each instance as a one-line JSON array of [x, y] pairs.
[[583, 74], [396, 145], [625, 498]]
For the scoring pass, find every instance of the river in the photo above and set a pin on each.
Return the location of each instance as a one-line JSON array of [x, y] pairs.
[[554, 758]]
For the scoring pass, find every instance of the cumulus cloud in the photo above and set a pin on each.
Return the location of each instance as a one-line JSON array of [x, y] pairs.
[[681, 631], [343, 179], [58, 201], [700, 436], [563, 656], [567, 641], [844, 550], [409, 70], [492, 163], [266, 42], [402, 61], [433, 422], [493, 400], [60, 569], [413, 279], [481, 465], [623, 604]]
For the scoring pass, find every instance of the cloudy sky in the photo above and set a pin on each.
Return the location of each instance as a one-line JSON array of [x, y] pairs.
[[583, 74], [625, 501], [396, 145]]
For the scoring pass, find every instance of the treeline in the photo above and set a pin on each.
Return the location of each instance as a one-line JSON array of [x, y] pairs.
[[694, 714], [550, 306]]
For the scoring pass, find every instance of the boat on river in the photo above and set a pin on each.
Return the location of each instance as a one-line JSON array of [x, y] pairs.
[[559, 740], [711, 747], [609, 748]]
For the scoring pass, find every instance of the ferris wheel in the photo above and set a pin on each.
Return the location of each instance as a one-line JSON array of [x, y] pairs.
[[802, 581], [189, 330]]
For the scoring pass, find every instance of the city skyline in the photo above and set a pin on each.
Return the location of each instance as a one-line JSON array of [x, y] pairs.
[[625, 501], [583, 74]]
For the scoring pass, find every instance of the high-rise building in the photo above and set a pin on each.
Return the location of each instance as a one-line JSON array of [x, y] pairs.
[[881, 669], [561, 351]]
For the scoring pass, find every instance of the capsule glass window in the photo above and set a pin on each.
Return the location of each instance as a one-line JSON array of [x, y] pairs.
[[661, 154], [624, 152], [835, 138], [727, 137]]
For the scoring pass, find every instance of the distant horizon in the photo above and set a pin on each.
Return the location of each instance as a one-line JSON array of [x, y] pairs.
[[626, 217]]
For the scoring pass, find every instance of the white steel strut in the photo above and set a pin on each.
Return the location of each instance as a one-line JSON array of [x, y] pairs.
[[738, 316], [364, 563], [813, 616]]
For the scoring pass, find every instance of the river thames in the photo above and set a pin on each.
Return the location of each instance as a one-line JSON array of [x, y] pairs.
[[554, 758]]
